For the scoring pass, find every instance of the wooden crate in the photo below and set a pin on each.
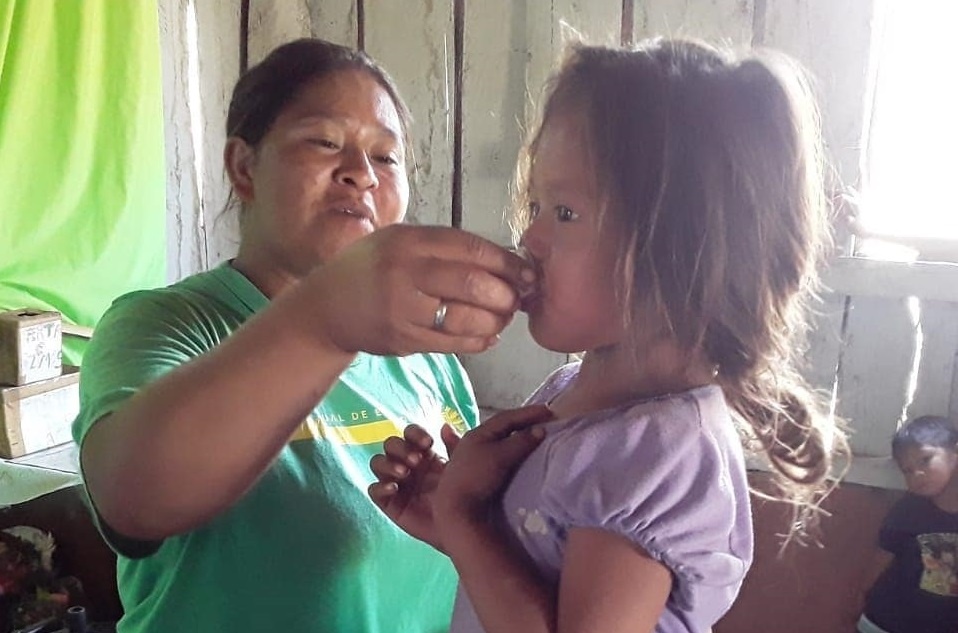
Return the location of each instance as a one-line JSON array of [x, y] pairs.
[[31, 346], [39, 415]]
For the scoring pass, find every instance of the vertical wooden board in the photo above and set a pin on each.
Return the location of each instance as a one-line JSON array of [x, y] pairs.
[[544, 44], [876, 373], [218, 26], [498, 52], [423, 71], [273, 23], [335, 20], [825, 342], [717, 21], [553, 26], [507, 45], [185, 233], [598, 22], [939, 330], [832, 38]]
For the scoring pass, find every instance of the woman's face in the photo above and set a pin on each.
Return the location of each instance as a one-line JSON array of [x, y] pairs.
[[329, 171]]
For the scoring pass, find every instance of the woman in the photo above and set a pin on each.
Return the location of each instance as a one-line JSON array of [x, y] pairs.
[[235, 501]]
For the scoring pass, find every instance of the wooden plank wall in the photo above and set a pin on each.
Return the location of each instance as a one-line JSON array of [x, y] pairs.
[[471, 71], [186, 235], [897, 356], [200, 233]]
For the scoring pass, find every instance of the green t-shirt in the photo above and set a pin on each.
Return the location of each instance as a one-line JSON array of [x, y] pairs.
[[304, 550]]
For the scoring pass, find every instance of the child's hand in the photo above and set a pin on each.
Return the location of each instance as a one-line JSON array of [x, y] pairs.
[[408, 475], [482, 462]]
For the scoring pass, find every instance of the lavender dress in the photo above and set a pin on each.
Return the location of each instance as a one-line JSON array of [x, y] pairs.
[[667, 474]]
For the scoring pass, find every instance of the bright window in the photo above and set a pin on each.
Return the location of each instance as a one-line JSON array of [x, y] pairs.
[[910, 163]]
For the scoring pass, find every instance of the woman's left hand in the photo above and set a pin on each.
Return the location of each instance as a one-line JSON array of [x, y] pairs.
[[482, 462]]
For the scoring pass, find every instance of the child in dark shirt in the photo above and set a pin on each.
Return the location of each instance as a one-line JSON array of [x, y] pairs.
[[915, 588]]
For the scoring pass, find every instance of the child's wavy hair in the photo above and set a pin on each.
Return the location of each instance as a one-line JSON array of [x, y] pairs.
[[711, 177]]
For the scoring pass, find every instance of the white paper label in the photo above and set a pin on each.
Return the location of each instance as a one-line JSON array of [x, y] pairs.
[[41, 351], [46, 418]]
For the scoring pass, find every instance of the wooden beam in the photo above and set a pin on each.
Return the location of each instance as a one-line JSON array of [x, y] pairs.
[[627, 26], [244, 37], [76, 331], [458, 47], [361, 25], [424, 75], [859, 276]]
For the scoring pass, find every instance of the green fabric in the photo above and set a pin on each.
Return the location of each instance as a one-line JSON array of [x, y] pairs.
[[81, 135], [305, 550]]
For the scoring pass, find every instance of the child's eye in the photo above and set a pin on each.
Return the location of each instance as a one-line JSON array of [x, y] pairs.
[[533, 210], [565, 214]]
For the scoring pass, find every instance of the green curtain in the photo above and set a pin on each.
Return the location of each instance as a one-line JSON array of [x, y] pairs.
[[82, 175]]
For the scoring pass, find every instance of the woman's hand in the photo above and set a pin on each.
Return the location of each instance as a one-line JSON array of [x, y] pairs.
[[383, 294], [483, 461], [407, 475]]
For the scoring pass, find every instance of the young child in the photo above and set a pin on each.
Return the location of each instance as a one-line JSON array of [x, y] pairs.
[[674, 206], [914, 584]]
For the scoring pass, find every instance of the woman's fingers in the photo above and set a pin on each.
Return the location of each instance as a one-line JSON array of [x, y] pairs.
[[445, 343], [463, 320], [461, 268], [466, 283], [457, 245]]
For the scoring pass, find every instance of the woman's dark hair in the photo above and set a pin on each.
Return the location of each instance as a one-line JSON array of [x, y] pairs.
[[927, 430], [268, 87]]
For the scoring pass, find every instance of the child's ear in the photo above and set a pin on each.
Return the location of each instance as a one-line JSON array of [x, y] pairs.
[[238, 157]]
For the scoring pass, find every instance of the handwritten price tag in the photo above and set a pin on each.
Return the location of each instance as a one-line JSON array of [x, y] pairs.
[[41, 350]]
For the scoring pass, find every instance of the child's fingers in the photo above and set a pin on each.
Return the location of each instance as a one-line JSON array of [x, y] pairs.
[[450, 438], [508, 422], [402, 451], [418, 437], [388, 470], [513, 449], [382, 493]]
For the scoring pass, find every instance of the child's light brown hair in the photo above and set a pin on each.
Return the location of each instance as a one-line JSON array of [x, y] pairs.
[[711, 176]]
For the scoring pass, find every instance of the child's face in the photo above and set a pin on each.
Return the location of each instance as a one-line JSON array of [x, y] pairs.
[[927, 469], [575, 309]]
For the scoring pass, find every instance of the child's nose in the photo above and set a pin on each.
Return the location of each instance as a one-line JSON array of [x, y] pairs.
[[534, 240]]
